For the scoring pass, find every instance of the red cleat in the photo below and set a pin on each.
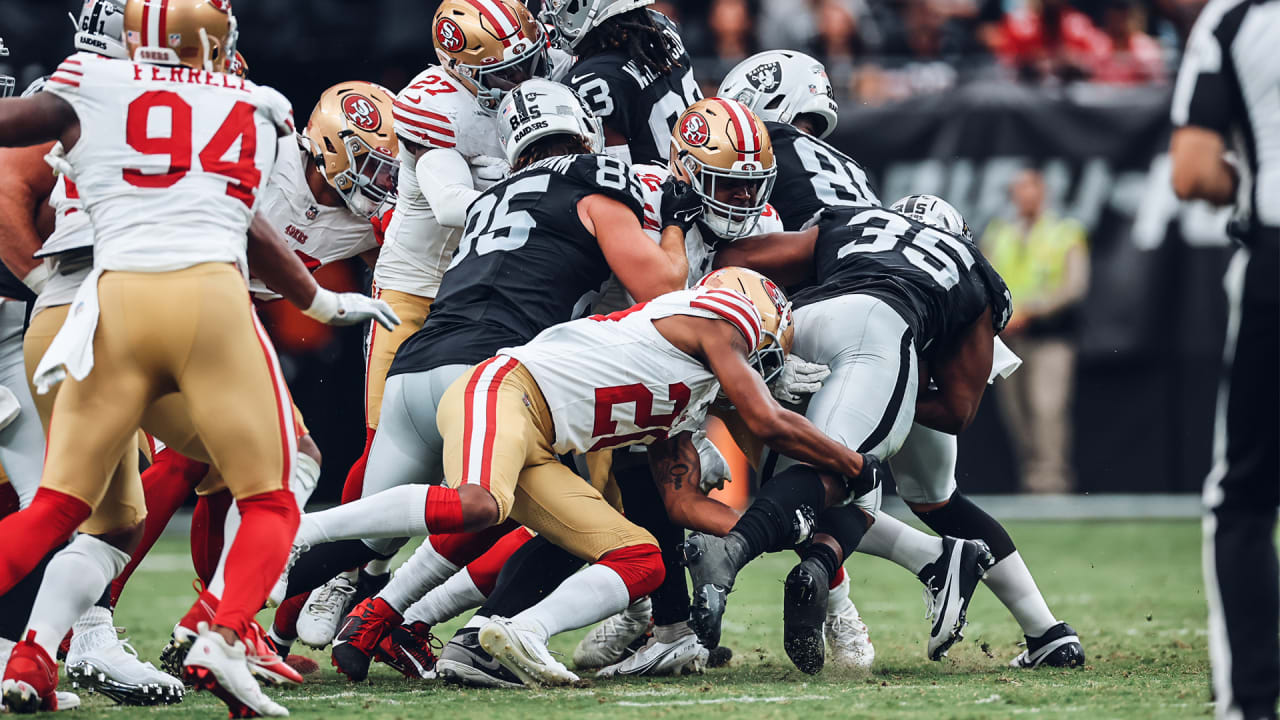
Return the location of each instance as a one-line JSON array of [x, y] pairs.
[[185, 632], [362, 630], [264, 662], [411, 650], [303, 664], [30, 678]]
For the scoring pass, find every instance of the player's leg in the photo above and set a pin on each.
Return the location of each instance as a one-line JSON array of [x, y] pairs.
[[1241, 495], [22, 439]]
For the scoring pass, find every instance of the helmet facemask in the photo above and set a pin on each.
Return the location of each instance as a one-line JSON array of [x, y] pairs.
[[8, 83], [369, 182], [743, 194]]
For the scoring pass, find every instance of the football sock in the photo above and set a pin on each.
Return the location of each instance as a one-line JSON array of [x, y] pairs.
[[379, 566], [258, 554], [894, 540], [353, 488], [823, 555], [770, 523], [639, 566], [393, 513], [485, 569], [671, 633], [424, 570], [318, 565], [207, 524], [165, 486], [645, 508], [838, 599], [533, 572], [837, 579], [1012, 583], [284, 627], [46, 523], [847, 525], [15, 605], [585, 598], [477, 620], [230, 526], [457, 595], [961, 518], [306, 474], [74, 580]]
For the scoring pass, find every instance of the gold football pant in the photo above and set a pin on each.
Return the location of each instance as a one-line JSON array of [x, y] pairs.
[[383, 343], [498, 434], [193, 332]]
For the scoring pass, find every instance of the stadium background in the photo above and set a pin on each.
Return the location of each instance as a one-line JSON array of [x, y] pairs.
[[932, 101]]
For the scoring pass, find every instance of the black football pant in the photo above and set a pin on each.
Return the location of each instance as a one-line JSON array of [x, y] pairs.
[[1242, 494]]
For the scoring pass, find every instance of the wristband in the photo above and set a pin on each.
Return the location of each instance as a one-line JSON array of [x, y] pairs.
[[37, 278], [324, 306]]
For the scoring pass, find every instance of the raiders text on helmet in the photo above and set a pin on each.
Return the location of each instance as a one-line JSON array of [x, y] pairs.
[[775, 315], [490, 46], [200, 34], [351, 138], [100, 28], [538, 108], [719, 144], [778, 85]]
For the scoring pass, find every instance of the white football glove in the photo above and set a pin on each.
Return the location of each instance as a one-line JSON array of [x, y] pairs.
[[798, 377], [57, 159], [490, 169], [333, 308], [715, 469]]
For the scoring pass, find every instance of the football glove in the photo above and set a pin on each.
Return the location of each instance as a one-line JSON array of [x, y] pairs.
[[333, 308], [490, 169], [798, 377], [874, 473], [681, 204], [715, 469]]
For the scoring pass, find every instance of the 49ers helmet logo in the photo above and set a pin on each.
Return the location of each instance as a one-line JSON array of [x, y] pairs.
[[223, 5], [694, 130], [362, 113], [775, 294], [449, 35]]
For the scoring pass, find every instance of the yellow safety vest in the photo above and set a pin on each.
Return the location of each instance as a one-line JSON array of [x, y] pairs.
[[1032, 263]]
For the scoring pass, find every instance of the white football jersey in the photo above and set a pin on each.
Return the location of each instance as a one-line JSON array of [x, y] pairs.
[[319, 234], [71, 226], [614, 380], [170, 160], [436, 112]]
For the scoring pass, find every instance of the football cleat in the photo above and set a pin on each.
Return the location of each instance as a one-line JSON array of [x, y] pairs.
[[410, 650], [66, 700], [1059, 646], [719, 657], [281, 588], [523, 652], [30, 678], [223, 670], [712, 569], [324, 610], [804, 611], [464, 662], [362, 630], [265, 663], [100, 661], [185, 632], [684, 656], [607, 642], [949, 583], [848, 640]]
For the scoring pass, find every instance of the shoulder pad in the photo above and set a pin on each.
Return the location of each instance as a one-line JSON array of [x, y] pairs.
[[70, 72], [425, 110]]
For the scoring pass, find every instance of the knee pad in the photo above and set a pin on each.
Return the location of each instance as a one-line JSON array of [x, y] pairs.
[[639, 566]]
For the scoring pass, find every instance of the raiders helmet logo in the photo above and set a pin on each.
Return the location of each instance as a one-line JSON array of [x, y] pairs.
[[766, 78], [694, 130], [449, 36], [362, 113]]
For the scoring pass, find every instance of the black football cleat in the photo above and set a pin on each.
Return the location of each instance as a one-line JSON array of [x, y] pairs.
[[804, 611], [712, 569], [1059, 646], [358, 639], [464, 662], [949, 583]]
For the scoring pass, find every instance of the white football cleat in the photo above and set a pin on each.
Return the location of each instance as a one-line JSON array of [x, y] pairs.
[[607, 642], [848, 640], [524, 652], [281, 587], [323, 613], [223, 669], [99, 660], [684, 656]]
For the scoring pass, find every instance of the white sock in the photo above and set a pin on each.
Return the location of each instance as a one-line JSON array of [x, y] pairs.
[[92, 619], [894, 540], [73, 582], [585, 598], [457, 595], [393, 513], [476, 621], [379, 566], [306, 474], [1011, 581], [838, 599], [424, 570], [230, 526], [668, 634]]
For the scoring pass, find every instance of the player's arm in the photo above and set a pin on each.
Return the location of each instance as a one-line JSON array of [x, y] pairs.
[[1200, 167], [1201, 114], [25, 185], [784, 257], [37, 119], [445, 179], [677, 470], [961, 376], [645, 270]]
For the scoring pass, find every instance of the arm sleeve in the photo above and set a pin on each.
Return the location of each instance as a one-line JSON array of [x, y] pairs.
[[445, 179], [1201, 96]]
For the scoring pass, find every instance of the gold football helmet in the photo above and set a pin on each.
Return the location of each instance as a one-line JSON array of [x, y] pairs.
[[490, 46], [723, 150], [775, 314], [352, 141], [200, 34]]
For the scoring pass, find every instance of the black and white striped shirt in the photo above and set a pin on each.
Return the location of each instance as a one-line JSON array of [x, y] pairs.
[[1229, 83]]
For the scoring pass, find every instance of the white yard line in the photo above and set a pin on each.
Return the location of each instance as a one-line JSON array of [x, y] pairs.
[[721, 701]]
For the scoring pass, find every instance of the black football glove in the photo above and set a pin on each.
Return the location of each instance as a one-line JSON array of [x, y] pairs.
[[874, 473], [681, 204]]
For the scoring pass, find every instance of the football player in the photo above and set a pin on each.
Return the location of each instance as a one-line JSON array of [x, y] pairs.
[[567, 219], [881, 285], [791, 91], [158, 313], [631, 68]]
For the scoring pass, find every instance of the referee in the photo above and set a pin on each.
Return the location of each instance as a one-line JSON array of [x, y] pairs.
[[1226, 149]]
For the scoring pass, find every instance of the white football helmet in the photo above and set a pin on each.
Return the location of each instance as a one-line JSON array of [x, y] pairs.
[[934, 212], [573, 19], [538, 108], [778, 85], [7, 82], [100, 28]]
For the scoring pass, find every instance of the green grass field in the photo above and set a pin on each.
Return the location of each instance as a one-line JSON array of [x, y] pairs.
[[1132, 590]]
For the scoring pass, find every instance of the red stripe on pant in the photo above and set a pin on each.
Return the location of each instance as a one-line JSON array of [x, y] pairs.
[[639, 566], [486, 423]]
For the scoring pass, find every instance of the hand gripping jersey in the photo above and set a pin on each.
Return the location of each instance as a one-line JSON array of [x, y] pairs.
[[525, 263], [170, 161], [433, 111], [813, 175], [939, 283], [319, 234], [614, 380], [640, 107], [69, 250]]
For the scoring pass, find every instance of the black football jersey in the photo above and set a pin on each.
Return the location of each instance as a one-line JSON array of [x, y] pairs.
[[524, 263], [813, 175], [939, 283], [636, 105]]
